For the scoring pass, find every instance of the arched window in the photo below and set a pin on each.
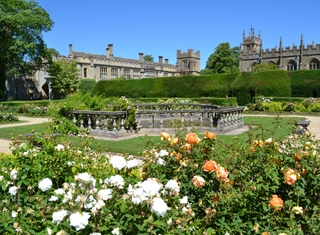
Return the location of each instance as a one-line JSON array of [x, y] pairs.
[[291, 65], [314, 64]]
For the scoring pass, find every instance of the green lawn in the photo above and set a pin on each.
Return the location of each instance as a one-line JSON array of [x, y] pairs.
[[267, 127]]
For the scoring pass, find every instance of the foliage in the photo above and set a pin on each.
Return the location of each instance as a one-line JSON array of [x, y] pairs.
[[22, 48], [264, 67], [204, 72], [59, 112], [267, 83], [224, 59], [148, 58], [86, 84], [183, 185], [268, 105], [305, 83], [8, 117], [64, 77]]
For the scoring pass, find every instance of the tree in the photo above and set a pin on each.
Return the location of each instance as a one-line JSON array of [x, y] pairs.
[[148, 58], [224, 59], [22, 49], [64, 77], [206, 72]]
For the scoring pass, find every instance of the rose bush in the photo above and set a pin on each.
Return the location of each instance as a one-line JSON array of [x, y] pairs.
[[183, 185]]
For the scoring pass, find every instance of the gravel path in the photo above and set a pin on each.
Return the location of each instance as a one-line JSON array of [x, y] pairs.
[[5, 143], [314, 127]]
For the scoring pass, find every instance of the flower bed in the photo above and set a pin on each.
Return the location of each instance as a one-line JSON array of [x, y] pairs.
[[184, 185]]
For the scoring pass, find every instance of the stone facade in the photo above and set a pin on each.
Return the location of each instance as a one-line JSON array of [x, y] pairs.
[[107, 66], [288, 58], [103, 67]]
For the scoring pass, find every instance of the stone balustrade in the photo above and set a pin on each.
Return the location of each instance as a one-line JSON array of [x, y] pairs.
[[151, 119]]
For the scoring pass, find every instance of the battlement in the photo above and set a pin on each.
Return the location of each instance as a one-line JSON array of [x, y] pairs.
[[189, 53]]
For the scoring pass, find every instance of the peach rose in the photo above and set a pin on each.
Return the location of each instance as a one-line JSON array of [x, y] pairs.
[[192, 138], [265, 233], [291, 176], [164, 136], [198, 181], [276, 203], [174, 140], [210, 166], [255, 143], [210, 135], [186, 147], [221, 173], [308, 133]]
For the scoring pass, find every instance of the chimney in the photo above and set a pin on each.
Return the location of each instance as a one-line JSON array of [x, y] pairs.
[[110, 49], [70, 48], [107, 52], [160, 59], [140, 56], [166, 61]]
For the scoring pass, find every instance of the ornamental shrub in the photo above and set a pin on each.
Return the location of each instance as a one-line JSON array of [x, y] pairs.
[[183, 185]]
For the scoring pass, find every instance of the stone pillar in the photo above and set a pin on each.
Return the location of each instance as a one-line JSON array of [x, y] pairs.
[[160, 59], [166, 61]]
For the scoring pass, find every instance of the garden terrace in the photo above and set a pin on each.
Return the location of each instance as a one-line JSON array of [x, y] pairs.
[[151, 119]]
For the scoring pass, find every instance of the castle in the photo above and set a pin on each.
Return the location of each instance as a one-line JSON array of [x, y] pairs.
[[288, 58], [104, 67]]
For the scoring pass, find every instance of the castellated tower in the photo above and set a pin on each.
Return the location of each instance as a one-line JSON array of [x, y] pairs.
[[188, 63], [250, 51]]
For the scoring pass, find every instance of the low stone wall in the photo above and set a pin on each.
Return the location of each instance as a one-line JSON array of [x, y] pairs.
[[153, 119]]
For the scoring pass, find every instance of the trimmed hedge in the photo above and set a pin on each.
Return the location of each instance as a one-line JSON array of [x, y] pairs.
[[86, 84], [243, 86], [305, 83]]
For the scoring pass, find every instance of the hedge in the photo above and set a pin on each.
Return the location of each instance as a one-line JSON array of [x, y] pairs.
[[243, 86], [305, 83]]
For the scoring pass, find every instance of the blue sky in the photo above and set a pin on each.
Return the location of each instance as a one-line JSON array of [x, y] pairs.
[[160, 28]]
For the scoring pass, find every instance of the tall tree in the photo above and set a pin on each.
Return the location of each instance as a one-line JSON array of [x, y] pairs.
[[148, 58], [22, 49], [64, 77], [225, 59]]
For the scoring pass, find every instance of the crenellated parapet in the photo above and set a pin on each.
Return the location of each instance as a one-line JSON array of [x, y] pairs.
[[286, 58]]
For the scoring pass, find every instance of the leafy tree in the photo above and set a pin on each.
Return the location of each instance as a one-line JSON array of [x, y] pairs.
[[22, 49], [148, 58], [264, 67], [206, 71], [224, 59], [64, 77]]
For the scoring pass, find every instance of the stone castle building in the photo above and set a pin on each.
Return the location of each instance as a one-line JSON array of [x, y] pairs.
[[288, 58], [107, 66]]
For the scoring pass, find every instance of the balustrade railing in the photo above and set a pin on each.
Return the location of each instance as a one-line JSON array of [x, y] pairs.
[[153, 119]]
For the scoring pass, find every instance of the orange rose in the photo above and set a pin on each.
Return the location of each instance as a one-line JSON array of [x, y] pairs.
[[276, 203], [291, 176], [177, 156], [298, 156], [221, 173], [210, 166], [192, 138], [210, 135], [198, 181], [164, 136]]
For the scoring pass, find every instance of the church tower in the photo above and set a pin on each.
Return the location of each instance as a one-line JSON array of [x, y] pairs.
[[250, 51]]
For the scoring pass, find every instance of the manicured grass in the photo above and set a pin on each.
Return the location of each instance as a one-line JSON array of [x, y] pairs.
[[266, 127]]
